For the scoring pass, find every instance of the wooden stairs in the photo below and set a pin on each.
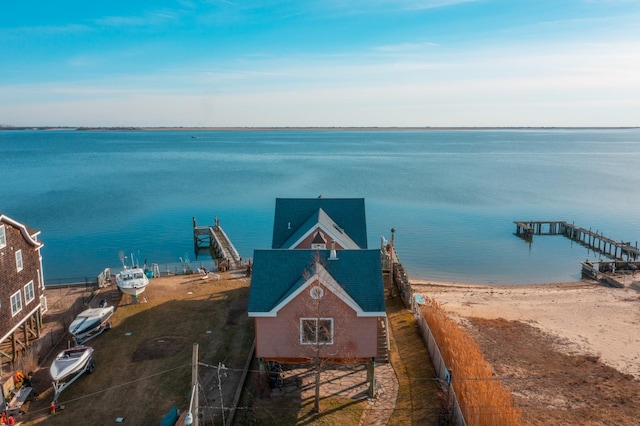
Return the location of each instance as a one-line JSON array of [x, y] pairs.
[[383, 341]]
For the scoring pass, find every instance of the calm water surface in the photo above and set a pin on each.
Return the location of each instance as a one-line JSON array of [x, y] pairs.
[[452, 196]]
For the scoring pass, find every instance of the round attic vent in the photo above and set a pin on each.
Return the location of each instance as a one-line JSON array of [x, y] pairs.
[[316, 292]]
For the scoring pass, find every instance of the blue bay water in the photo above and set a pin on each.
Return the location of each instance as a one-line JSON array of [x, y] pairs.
[[452, 196]]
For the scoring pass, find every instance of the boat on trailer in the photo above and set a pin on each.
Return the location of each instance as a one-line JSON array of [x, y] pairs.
[[69, 365], [91, 323], [70, 361]]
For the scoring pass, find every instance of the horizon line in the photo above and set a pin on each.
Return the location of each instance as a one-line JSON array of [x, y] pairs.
[[265, 128]]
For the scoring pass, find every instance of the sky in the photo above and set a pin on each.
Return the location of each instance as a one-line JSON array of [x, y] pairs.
[[332, 63]]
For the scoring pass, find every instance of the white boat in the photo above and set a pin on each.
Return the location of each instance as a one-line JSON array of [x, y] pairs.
[[90, 322], [70, 362], [132, 281]]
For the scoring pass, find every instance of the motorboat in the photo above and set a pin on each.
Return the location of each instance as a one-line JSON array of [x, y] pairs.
[[71, 362], [90, 322], [68, 366], [132, 281]]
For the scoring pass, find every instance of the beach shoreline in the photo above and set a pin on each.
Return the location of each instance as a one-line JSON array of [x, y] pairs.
[[587, 317]]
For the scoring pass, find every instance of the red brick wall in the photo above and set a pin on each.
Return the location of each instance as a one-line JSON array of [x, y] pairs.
[[11, 280], [279, 337]]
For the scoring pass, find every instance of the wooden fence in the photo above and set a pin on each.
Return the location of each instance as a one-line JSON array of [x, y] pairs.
[[401, 280]]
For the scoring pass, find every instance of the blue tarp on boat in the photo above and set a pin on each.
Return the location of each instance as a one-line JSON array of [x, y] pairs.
[[170, 418]]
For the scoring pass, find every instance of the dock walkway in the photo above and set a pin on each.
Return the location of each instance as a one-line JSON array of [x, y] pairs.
[[593, 240], [214, 241]]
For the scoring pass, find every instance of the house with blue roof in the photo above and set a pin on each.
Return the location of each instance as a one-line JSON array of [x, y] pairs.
[[319, 289], [300, 221]]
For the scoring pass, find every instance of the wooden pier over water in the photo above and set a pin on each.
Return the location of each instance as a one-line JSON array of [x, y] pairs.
[[593, 240], [215, 242]]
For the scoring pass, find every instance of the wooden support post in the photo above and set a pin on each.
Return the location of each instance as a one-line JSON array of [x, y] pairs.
[[39, 323], [371, 377]]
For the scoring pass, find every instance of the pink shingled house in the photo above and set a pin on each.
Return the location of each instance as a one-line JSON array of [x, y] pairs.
[[318, 289]]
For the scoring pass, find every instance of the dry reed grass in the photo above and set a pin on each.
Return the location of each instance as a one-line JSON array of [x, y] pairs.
[[484, 401]]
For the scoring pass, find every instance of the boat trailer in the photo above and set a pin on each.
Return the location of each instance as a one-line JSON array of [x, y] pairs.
[[94, 332], [58, 386]]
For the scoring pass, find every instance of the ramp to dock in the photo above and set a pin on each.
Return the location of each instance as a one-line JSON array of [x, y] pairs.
[[214, 241]]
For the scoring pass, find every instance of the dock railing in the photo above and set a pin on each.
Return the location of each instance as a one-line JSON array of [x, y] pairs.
[[593, 240], [214, 241]]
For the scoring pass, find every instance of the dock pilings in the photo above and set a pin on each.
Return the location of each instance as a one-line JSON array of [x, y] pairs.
[[213, 240], [593, 240]]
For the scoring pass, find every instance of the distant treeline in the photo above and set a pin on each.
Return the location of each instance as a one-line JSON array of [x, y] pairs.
[[129, 128], [7, 127]]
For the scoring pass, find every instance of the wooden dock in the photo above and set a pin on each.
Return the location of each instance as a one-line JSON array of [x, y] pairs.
[[614, 273], [595, 241], [214, 241]]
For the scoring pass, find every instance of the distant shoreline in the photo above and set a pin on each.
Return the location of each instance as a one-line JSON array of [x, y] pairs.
[[82, 128]]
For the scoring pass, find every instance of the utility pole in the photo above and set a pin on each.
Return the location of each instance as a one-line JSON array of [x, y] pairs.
[[192, 414], [194, 382], [221, 366]]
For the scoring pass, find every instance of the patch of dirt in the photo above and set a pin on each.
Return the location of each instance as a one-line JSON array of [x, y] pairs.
[[551, 386], [158, 347]]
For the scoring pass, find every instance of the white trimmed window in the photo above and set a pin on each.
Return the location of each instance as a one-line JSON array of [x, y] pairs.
[[314, 331], [3, 237], [16, 302], [19, 264], [29, 294]]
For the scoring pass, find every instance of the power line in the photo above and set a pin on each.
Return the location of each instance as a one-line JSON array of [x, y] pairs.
[[117, 386], [453, 379]]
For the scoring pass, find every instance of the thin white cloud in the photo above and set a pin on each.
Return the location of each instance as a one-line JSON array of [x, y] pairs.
[[594, 22], [220, 2], [432, 4], [340, 8], [407, 84], [397, 4], [154, 18], [405, 47], [48, 30], [189, 4]]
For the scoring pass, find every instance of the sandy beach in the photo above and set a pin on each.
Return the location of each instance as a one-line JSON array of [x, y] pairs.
[[587, 318]]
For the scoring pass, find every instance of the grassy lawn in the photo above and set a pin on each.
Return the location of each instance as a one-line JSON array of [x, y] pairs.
[[293, 410], [143, 365]]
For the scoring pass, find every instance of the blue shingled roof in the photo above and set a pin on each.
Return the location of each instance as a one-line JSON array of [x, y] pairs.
[[278, 273], [320, 217], [292, 213]]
